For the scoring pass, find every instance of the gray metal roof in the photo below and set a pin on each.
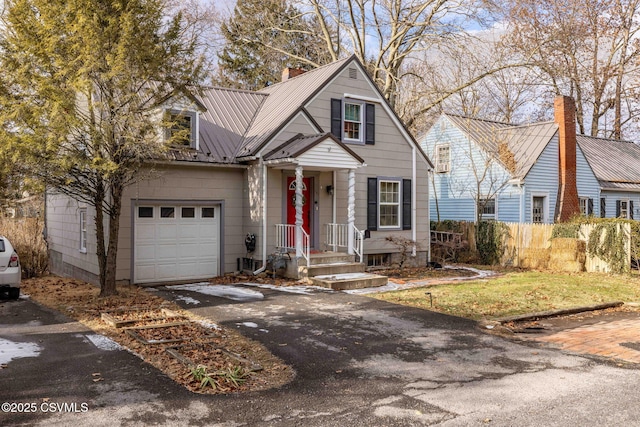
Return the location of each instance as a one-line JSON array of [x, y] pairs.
[[616, 164], [526, 142], [286, 99], [223, 125]]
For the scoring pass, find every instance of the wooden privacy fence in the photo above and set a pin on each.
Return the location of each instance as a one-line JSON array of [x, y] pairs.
[[531, 246]]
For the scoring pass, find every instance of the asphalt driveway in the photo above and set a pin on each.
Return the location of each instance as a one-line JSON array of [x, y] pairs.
[[360, 362]]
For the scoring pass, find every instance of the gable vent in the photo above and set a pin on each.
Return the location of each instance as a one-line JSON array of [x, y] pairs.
[[353, 73]]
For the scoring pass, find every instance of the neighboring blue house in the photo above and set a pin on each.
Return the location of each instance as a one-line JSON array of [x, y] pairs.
[[616, 165], [511, 173]]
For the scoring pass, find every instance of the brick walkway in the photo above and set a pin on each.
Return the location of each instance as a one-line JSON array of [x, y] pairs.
[[618, 339]]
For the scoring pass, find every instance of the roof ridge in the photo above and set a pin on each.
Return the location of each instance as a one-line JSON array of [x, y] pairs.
[[606, 139], [306, 73], [231, 89], [479, 119]]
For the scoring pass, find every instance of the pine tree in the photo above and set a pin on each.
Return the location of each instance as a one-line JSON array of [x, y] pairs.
[[262, 38], [83, 82]]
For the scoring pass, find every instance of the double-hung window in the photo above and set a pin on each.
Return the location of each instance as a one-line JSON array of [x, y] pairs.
[[83, 231], [624, 208], [389, 204], [352, 122], [443, 158], [487, 208], [586, 206]]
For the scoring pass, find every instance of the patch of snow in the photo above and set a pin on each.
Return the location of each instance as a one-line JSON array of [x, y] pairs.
[[23, 296], [301, 290], [343, 276], [222, 291], [208, 324], [187, 299], [103, 343], [392, 286], [264, 330], [248, 324], [10, 350]]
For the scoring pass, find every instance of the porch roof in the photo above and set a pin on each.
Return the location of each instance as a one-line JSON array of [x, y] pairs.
[[320, 151]]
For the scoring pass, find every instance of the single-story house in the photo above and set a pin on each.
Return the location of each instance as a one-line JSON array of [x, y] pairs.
[[319, 162]]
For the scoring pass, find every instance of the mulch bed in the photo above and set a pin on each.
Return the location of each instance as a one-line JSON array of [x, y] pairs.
[[142, 309]]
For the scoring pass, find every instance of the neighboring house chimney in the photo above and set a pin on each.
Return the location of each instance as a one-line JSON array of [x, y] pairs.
[[289, 73], [567, 204]]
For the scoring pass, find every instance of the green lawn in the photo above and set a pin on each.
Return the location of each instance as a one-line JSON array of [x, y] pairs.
[[520, 293]]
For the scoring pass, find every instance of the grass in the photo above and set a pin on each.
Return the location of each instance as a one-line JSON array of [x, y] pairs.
[[519, 293]]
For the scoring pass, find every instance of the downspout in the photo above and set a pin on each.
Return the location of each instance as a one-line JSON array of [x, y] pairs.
[[414, 233], [264, 218]]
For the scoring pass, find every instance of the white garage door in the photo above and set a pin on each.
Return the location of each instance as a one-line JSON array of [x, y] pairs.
[[176, 242]]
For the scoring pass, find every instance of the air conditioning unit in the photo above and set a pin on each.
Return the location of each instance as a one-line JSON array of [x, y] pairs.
[[442, 167]]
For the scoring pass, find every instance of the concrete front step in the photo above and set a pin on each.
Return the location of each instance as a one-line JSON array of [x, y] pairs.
[[348, 281], [332, 268], [331, 258]]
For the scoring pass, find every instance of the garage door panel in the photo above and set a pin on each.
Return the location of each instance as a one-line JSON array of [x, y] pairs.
[[171, 249]]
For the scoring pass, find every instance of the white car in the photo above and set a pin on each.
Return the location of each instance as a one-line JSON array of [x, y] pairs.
[[10, 273]]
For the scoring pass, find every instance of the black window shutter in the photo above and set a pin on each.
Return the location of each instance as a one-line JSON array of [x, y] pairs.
[[590, 207], [617, 208], [370, 120], [406, 204], [603, 207], [336, 118], [372, 204], [631, 209]]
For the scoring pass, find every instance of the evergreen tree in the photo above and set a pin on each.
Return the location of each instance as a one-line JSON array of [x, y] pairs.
[[80, 93], [262, 38]]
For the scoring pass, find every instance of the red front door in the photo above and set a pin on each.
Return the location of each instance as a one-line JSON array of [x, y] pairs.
[[306, 202]]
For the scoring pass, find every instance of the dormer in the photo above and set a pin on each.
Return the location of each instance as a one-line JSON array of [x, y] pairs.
[[181, 122]]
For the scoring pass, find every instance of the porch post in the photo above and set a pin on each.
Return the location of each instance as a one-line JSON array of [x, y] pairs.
[[351, 211], [299, 221]]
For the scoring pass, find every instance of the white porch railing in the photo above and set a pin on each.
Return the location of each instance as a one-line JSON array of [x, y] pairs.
[[286, 240], [337, 237]]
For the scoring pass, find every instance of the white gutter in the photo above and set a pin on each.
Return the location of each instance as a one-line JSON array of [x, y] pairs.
[[264, 219], [414, 224]]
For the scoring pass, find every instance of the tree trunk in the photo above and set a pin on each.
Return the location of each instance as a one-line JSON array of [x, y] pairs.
[[100, 239], [109, 287]]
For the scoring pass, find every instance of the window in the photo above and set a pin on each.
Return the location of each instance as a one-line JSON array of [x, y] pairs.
[[389, 205], [353, 121], [603, 207], [586, 206], [487, 208], [188, 212], [443, 158], [83, 230], [537, 210], [181, 129], [624, 208], [208, 212], [167, 212], [145, 212]]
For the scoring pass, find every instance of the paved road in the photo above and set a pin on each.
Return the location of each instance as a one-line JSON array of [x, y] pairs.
[[360, 362]]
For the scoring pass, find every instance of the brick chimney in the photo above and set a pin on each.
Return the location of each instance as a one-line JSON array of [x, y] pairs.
[[567, 204], [289, 73]]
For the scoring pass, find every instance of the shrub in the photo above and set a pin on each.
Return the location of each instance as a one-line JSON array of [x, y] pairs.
[[26, 236], [490, 241]]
